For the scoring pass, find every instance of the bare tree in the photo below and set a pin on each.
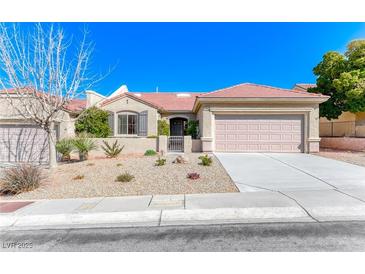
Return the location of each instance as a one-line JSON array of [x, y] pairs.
[[42, 72]]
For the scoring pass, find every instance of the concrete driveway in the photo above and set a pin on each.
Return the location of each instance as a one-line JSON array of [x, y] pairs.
[[326, 189], [290, 172]]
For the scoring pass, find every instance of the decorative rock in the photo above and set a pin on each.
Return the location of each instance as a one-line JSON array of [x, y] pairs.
[[181, 160]]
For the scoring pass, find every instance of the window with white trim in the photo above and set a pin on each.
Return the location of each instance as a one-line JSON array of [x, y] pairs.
[[127, 123]]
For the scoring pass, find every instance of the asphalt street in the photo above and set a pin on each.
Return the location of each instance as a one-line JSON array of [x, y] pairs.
[[328, 236]]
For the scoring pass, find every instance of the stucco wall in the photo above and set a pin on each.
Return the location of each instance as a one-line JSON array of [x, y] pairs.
[[310, 111], [93, 98], [343, 143], [131, 145], [170, 115], [10, 115], [129, 104], [196, 145], [347, 125]]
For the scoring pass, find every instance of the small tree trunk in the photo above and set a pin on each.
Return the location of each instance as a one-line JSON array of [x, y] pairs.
[[52, 147]]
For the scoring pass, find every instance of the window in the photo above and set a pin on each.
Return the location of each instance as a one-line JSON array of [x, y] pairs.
[[127, 124]]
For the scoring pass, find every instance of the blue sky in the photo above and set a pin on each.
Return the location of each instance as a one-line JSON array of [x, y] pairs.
[[208, 56]]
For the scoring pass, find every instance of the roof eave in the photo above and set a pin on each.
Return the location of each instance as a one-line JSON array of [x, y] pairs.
[[199, 100], [131, 96]]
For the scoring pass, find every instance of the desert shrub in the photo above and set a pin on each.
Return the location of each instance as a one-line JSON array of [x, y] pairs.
[[21, 179], [193, 176], [113, 150], [163, 128], [192, 129], [95, 122], [124, 177], [90, 164], [78, 177], [65, 147], [119, 164], [84, 145], [206, 160], [150, 152], [160, 162]]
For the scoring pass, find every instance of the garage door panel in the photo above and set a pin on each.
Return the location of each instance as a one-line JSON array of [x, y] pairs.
[[242, 137], [23, 143], [275, 133], [242, 127]]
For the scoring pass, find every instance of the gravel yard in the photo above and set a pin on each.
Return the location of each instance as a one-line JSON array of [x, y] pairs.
[[353, 157], [100, 174]]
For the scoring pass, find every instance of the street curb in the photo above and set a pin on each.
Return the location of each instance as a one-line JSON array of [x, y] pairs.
[[154, 218]]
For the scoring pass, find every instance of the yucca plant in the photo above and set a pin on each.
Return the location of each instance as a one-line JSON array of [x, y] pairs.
[[21, 179], [113, 150], [84, 145], [65, 147]]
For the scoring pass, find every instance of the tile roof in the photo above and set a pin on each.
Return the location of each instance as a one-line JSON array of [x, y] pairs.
[[303, 86], [128, 94], [171, 101], [248, 90], [74, 105], [184, 101]]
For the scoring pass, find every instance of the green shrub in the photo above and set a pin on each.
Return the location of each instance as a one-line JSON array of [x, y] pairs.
[[206, 160], [21, 179], [84, 145], [192, 128], [113, 150], [163, 127], [150, 152], [152, 136], [94, 121], [124, 177], [160, 162], [65, 147]]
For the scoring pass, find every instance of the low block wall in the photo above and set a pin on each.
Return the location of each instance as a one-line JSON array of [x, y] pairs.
[[343, 143], [131, 145], [196, 145]]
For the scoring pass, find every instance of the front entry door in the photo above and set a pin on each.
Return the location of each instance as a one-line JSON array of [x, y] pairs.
[[176, 127]]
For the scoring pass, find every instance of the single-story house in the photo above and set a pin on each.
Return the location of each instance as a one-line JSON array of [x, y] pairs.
[[242, 118], [21, 140]]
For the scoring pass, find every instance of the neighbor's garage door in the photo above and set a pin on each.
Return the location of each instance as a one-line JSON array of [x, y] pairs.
[[259, 133], [23, 143]]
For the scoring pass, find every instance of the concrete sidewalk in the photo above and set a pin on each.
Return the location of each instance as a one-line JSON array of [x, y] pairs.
[[162, 210]]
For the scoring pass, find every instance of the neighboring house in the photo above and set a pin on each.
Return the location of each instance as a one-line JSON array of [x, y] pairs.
[[347, 124], [242, 118], [21, 140]]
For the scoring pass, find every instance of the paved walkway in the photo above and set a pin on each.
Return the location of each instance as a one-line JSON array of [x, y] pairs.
[[290, 172], [249, 207]]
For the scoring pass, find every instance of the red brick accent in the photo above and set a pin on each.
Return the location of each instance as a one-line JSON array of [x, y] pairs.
[[8, 207], [343, 143]]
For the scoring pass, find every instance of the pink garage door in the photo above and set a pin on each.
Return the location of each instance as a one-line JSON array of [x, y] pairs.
[[23, 143], [259, 133]]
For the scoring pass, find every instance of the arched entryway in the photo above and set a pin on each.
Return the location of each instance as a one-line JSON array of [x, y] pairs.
[[178, 126]]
